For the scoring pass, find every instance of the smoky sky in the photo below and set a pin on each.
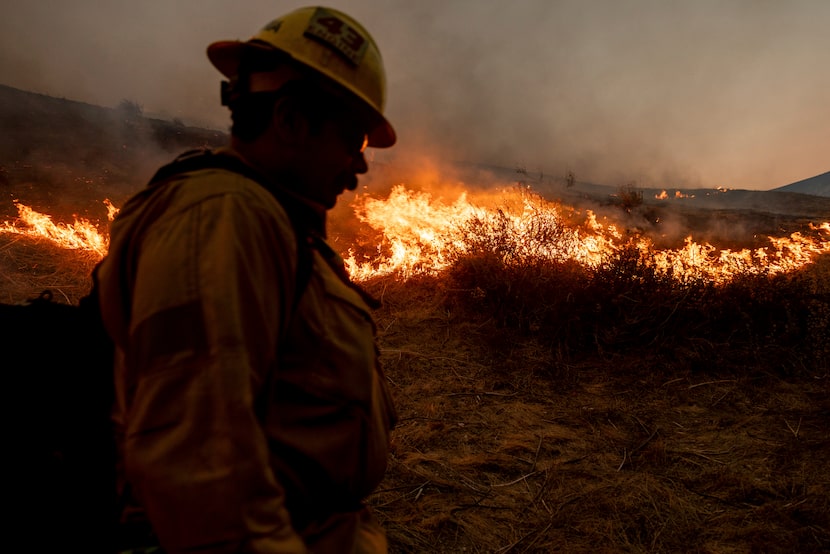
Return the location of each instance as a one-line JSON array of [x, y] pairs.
[[708, 93]]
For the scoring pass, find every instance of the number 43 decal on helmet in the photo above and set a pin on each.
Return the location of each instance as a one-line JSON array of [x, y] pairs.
[[337, 34]]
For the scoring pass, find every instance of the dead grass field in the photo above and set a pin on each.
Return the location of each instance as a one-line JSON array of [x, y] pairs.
[[510, 442], [502, 448]]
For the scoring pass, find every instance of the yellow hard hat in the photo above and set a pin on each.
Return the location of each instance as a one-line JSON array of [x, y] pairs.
[[329, 42]]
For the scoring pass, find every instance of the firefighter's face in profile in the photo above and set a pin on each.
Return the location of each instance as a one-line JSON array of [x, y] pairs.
[[330, 158]]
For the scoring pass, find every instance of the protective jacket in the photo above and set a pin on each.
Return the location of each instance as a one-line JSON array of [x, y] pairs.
[[250, 418]]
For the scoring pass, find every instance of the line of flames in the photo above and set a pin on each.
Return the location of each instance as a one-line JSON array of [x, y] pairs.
[[417, 234], [424, 235]]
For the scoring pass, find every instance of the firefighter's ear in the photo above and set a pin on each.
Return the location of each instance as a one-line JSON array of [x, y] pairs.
[[291, 126]]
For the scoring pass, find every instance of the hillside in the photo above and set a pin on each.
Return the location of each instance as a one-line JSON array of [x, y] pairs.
[[818, 185], [60, 153], [793, 199], [544, 406]]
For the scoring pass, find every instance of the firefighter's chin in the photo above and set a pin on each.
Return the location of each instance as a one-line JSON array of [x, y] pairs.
[[350, 182]]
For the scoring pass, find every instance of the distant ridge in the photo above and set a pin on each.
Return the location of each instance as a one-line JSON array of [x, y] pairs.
[[807, 199], [817, 186], [61, 154]]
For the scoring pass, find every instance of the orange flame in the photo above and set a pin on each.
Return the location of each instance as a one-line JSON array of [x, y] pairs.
[[677, 194], [80, 235], [420, 235], [417, 234]]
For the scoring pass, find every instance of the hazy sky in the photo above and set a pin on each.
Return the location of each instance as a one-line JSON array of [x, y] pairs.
[[708, 93]]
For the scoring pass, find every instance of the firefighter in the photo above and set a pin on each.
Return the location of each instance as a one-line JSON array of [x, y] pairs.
[[251, 413]]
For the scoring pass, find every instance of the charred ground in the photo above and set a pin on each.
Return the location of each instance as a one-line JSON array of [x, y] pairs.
[[543, 407]]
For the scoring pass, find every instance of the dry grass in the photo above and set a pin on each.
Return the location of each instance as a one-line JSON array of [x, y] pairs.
[[518, 435], [548, 406], [30, 266], [507, 446], [542, 408]]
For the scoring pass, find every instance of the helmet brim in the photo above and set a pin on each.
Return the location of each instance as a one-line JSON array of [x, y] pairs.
[[226, 56], [381, 135]]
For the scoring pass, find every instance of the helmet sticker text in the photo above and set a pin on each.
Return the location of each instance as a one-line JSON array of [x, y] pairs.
[[338, 35], [274, 26]]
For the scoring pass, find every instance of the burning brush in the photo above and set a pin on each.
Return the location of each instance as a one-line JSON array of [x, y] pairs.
[[414, 234]]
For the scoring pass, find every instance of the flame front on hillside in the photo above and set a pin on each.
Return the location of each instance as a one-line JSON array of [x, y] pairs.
[[416, 234]]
